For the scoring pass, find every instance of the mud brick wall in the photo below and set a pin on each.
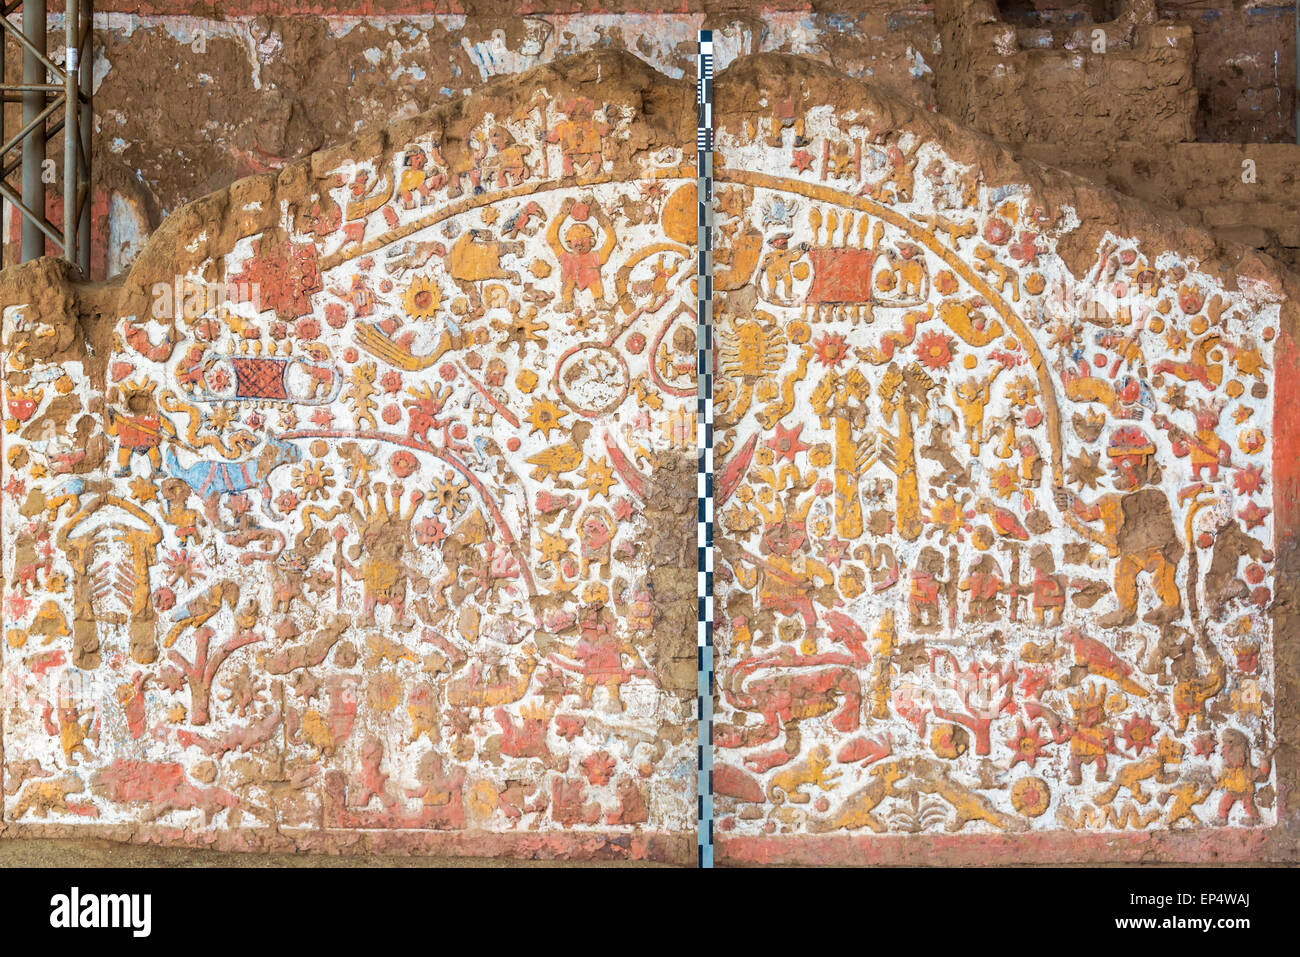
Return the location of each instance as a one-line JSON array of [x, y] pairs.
[[1245, 71], [190, 98], [1004, 507], [359, 515], [1051, 84], [1204, 182], [186, 103]]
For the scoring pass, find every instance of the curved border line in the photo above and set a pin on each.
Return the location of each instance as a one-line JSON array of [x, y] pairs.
[[915, 230]]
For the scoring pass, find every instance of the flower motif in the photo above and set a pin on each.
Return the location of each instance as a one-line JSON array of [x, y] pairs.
[[403, 464], [569, 726], [1005, 481], [1026, 744], [449, 497], [1031, 796], [164, 599], [1139, 733], [430, 531], [313, 481], [598, 768]]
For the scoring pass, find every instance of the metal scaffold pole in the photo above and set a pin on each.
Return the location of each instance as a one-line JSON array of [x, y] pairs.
[[56, 100]]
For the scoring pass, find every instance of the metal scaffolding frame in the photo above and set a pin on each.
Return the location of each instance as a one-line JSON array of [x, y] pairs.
[[45, 87]]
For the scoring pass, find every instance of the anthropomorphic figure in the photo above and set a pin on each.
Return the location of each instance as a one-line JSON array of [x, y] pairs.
[[595, 533], [777, 267], [600, 649], [983, 584], [1091, 737], [579, 255], [1206, 448], [1138, 529], [580, 137], [1239, 777], [1048, 587], [139, 428], [923, 598], [419, 180]]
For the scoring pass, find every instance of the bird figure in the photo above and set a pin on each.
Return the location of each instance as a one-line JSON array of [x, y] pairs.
[[554, 461], [1004, 521], [1094, 657]]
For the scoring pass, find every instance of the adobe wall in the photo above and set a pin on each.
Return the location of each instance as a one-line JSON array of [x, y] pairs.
[[190, 98], [394, 552], [1004, 507], [359, 515]]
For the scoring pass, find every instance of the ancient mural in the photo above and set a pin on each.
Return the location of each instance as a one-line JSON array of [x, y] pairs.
[[353, 536], [995, 543], [375, 522]]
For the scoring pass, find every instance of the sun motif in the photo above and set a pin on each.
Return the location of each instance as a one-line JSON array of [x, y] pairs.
[[314, 480], [934, 350], [831, 349], [422, 298], [1030, 796]]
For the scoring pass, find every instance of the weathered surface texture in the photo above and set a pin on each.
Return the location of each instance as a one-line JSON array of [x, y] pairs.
[[360, 514], [1001, 496], [1127, 79], [189, 99], [398, 555]]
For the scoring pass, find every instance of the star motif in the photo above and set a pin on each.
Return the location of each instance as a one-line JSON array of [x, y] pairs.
[[1026, 744], [143, 490], [1253, 514], [599, 478], [545, 417], [1249, 362], [801, 160], [836, 551], [786, 444], [553, 548], [18, 606]]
